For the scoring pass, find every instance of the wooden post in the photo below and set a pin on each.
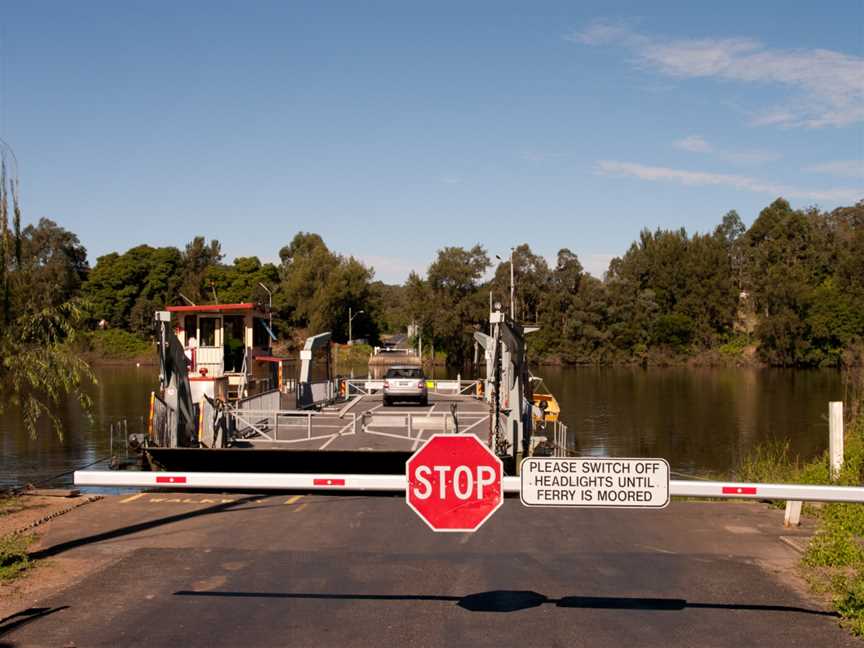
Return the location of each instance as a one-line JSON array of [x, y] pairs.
[[835, 437]]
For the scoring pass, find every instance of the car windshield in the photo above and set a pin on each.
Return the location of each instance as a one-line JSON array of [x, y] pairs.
[[404, 372]]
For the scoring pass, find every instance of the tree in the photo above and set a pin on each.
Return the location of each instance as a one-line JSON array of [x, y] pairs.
[[52, 268], [198, 258], [448, 304], [38, 368], [143, 275], [317, 287]]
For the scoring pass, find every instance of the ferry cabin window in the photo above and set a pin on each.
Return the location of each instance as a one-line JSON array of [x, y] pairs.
[[190, 325], [234, 342], [207, 331], [260, 337]]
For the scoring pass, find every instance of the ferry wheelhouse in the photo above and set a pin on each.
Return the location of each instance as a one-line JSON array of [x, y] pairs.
[[228, 349]]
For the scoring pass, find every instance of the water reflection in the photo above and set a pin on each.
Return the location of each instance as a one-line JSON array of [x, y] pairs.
[[698, 419]]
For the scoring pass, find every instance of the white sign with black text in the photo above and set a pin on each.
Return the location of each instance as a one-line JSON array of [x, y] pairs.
[[595, 482]]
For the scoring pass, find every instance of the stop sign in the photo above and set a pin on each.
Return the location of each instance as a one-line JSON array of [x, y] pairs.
[[454, 482]]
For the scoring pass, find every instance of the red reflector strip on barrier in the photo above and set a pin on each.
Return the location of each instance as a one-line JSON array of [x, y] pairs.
[[170, 480], [328, 482], [739, 490]]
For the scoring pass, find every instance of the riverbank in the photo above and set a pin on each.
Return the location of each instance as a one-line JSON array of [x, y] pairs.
[[833, 561], [114, 347], [730, 356]]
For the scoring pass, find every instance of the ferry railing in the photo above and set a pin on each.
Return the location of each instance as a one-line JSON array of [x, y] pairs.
[[370, 386], [162, 427], [413, 425], [268, 400], [267, 424]]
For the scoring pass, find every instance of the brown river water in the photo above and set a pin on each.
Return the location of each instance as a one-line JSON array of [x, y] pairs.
[[700, 420]]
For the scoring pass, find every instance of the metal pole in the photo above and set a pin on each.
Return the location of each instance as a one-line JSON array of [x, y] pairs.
[[350, 318], [512, 287]]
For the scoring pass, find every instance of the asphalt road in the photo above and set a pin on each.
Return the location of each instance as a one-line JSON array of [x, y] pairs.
[[313, 570]]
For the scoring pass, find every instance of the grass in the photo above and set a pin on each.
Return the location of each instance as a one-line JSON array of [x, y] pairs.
[[10, 505], [735, 345], [13, 555], [834, 560]]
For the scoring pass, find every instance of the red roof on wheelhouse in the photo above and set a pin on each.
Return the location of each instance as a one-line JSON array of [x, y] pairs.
[[203, 308]]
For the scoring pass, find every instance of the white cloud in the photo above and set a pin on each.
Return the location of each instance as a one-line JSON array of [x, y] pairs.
[[698, 144], [829, 84], [750, 156], [841, 168], [694, 144], [742, 183]]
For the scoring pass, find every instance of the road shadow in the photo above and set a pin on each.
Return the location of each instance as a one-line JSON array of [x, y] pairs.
[[15, 621], [136, 528], [517, 600]]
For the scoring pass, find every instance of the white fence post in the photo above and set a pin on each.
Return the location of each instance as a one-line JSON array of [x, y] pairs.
[[835, 458], [835, 437], [793, 514]]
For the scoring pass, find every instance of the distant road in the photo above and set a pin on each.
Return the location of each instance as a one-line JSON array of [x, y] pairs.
[[265, 570]]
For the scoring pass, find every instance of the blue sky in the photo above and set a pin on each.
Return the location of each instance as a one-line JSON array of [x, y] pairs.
[[394, 129]]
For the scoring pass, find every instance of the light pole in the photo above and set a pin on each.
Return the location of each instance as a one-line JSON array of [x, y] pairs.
[[269, 305], [512, 285], [351, 319]]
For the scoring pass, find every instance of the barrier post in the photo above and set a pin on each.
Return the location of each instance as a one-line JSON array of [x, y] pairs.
[[835, 437], [792, 516]]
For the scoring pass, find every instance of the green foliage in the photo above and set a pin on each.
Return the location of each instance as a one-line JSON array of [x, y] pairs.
[[834, 557], [735, 345], [39, 368], [317, 287], [10, 505], [13, 555], [849, 602], [241, 281], [117, 344], [40, 269], [449, 305], [674, 329], [125, 289], [770, 463]]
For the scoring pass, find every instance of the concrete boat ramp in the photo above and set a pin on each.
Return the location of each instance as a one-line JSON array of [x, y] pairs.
[[265, 569]]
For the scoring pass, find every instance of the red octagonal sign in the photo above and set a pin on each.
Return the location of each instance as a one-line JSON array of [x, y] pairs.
[[454, 482]]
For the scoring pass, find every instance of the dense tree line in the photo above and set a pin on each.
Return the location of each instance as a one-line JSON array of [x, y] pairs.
[[791, 287]]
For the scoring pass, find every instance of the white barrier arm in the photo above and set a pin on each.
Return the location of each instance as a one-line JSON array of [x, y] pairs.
[[733, 490], [398, 483], [240, 481]]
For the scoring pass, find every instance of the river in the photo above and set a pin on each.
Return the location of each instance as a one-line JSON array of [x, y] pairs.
[[700, 420]]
